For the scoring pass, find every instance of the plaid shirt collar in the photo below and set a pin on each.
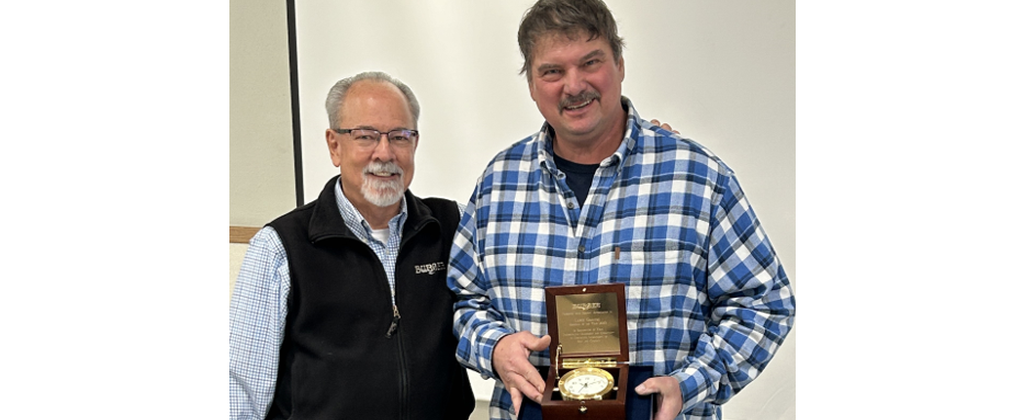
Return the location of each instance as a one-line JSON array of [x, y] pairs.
[[546, 135]]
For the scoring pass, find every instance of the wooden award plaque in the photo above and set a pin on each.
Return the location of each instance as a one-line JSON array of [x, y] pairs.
[[587, 325]]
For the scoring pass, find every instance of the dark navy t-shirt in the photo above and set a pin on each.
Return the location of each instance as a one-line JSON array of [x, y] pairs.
[[578, 176]]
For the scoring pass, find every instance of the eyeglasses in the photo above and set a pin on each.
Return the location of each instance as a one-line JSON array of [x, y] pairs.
[[367, 138]]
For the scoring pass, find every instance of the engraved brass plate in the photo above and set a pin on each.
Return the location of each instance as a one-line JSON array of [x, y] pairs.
[[588, 323]]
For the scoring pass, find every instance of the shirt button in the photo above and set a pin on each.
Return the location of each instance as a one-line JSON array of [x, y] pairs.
[[582, 248], [572, 205]]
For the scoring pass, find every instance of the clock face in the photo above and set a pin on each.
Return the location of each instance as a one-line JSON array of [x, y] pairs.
[[586, 384]]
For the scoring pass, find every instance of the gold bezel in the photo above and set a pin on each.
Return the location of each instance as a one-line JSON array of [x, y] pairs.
[[589, 396]]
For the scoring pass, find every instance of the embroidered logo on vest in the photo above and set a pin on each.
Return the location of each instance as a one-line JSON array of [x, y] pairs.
[[431, 268]]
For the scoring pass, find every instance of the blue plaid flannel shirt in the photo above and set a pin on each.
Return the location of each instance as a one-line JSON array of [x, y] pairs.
[[707, 299]]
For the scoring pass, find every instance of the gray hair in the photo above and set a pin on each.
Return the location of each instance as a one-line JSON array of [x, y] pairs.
[[568, 18], [336, 96]]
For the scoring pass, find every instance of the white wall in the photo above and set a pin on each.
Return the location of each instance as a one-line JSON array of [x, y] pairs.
[[261, 152], [722, 73]]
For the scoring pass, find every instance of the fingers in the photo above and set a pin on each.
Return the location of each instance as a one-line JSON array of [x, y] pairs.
[[532, 386], [664, 125], [657, 384], [511, 363], [517, 400], [669, 399], [536, 389], [539, 343]]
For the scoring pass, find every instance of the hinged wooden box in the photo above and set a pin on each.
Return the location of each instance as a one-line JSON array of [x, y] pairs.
[[589, 348]]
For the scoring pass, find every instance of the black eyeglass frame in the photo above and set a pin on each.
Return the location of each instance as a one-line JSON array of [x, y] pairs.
[[413, 134]]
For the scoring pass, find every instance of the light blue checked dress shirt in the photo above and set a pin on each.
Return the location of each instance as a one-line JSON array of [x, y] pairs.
[[259, 307], [707, 299]]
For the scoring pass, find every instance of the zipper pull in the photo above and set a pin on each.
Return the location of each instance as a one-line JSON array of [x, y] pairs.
[[394, 321]]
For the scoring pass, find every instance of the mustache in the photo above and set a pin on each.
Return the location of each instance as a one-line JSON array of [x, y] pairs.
[[579, 99], [376, 166]]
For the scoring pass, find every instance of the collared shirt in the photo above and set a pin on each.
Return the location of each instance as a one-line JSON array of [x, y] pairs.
[[259, 307], [707, 299]]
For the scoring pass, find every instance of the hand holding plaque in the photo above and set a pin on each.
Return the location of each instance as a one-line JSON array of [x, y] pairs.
[[511, 363]]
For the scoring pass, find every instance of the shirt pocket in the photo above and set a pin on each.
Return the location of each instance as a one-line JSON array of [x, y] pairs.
[[662, 296], [648, 262]]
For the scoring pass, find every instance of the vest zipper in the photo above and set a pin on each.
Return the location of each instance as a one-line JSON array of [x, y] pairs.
[[403, 375], [394, 321]]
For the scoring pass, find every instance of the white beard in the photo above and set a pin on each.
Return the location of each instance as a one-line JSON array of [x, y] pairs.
[[382, 193]]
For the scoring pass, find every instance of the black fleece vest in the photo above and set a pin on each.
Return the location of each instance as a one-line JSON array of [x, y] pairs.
[[337, 360]]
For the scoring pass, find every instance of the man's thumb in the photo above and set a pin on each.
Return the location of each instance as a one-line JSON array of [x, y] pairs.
[[645, 389], [539, 343]]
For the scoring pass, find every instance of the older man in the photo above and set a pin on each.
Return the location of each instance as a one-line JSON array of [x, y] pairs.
[[341, 308], [600, 195]]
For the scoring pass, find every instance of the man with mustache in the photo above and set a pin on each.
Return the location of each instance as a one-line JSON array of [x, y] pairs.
[[600, 195], [341, 309]]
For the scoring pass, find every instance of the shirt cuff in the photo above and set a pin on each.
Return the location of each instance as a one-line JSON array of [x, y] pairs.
[[485, 353], [695, 385]]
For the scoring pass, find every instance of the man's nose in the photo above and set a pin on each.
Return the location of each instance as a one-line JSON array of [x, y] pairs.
[[383, 151], [575, 82]]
